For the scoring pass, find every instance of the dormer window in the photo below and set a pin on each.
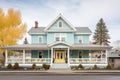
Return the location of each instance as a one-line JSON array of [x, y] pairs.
[[60, 24]]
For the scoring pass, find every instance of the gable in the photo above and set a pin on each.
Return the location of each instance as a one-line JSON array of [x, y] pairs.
[[56, 26]]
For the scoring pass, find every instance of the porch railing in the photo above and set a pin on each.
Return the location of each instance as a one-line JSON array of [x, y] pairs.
[[29, 61], [38, 60], [14, 60], [87, 60]]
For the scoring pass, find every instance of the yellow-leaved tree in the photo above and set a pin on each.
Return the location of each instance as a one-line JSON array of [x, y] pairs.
[[11, 28]]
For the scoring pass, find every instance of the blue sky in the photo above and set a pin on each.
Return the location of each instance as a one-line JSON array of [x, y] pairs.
[[83, 13]]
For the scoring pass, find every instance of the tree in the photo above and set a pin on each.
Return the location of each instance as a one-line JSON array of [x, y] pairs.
[[11, 28], [101, 35]]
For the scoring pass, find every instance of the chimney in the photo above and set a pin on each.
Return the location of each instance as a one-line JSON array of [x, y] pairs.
[[36, 24]]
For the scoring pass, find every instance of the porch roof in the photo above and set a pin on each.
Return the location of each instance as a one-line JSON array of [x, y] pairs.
[[45, 47], [27, 47], [91, 47]]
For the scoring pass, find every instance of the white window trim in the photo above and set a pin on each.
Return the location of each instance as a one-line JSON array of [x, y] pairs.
[[61, 35], [41, 39], [61, 22], [80, 38]]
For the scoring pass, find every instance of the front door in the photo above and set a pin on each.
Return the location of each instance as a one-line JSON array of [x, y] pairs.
[[59, 57]]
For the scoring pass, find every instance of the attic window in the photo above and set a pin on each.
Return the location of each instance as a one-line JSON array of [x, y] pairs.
[[60, 24]]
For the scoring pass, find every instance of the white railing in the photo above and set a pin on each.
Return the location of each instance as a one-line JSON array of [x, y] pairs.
[[87, 60], [38, 60], [14, 60], [29, 61]]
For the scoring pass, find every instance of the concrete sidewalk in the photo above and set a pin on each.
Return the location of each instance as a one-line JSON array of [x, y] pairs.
[[63, 71]]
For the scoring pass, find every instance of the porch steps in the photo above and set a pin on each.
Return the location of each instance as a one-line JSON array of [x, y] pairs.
[[59, 66]]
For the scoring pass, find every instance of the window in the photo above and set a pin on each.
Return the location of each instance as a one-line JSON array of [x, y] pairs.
[[63, 37], [57, 37], [40, 54], [80, 39], [60, 24], [60, 37], [40, 39]]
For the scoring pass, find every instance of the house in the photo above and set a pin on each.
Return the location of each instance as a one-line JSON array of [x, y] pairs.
[[60, 44], [114, 58]]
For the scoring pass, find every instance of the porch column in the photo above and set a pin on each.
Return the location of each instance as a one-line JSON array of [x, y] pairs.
[[6, 56], [68, 57], [101, 56], [106, 56], [23, 56], [51, 56]]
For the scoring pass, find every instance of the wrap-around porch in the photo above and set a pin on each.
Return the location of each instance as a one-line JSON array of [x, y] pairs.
[[56, 55]]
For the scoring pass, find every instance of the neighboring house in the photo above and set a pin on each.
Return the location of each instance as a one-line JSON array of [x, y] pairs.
[[114, 58], [60, 44]]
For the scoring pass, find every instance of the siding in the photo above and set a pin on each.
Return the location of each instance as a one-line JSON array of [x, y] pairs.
[[55, 26], [84, 37], [35, 39]]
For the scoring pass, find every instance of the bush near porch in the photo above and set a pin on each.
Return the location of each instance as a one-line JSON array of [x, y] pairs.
[[95, 67]]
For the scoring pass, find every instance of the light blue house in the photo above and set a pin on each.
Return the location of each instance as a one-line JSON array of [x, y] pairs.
[[60, 44]]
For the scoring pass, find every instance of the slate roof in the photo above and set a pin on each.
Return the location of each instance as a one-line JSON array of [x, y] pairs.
[[41, 30]]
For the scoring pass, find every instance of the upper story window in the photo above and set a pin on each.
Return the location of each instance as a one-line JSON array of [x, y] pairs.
[[60, 37], [80, 39], [57, 37], [40, 39], [63, 37], [60, 24]]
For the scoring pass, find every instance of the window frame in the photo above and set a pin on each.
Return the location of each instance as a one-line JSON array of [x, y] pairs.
[[80, 38], [39, 39], [61, 35], [60, 24]]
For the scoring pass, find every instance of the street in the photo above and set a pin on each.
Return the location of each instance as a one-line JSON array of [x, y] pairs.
[[59, 77]]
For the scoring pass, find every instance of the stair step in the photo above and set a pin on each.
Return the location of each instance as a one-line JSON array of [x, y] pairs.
[[60, 66]]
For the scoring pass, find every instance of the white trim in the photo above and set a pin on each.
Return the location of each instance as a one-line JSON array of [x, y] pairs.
[[36, 33], [6, 56], [59, 43], [80, 38], [106, 57], [83, 33], [46, 29], [60, 37], [58, 24], [23, 56], [60, 31], [51, 56], [68, 57], [41, 39]]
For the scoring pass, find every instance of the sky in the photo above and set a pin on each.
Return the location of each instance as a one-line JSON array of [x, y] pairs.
[[80, 13]]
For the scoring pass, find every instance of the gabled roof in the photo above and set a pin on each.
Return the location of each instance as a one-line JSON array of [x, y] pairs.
[[59, 43], [59, 16], [40, 30]]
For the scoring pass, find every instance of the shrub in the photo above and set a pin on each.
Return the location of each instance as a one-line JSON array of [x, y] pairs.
[[108, 66], [95, 67], [34, 66], [74, 67], [9, 66], [16, 66], [80, 66], [46, 66]]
